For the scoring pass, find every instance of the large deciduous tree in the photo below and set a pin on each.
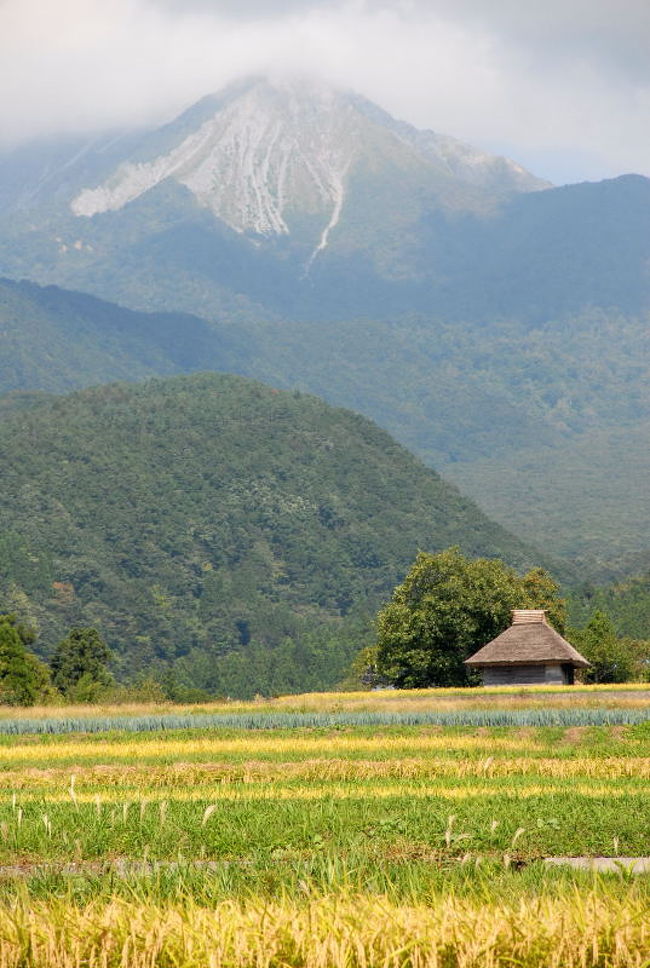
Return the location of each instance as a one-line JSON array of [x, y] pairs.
[[447, 607]]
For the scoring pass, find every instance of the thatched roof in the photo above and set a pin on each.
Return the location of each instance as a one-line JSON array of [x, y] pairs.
[[530, 640]]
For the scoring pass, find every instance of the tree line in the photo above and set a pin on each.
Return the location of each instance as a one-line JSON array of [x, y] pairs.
[[77, 672], [446, 608]]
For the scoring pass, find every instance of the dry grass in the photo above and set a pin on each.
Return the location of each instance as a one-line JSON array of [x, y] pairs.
[[353, 790], [199, 776], [500, 697], [295, 746]]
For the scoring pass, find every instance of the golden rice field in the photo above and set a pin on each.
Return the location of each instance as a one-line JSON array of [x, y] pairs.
[[347, 845], [500, 697], [339, 930]]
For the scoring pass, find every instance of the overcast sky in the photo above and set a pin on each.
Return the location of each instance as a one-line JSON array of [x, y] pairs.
[[563, 86]]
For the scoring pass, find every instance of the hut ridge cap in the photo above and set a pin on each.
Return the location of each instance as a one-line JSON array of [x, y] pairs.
[[525, 616]]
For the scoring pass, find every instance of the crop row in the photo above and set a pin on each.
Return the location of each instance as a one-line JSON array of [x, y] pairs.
[[336, 932], [461, 789], [127, 751], [536, 821], [194, 778], [541, 716]]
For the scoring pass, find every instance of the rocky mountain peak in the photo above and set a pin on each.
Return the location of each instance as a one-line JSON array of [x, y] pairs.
[[275, 151], [270, 149]]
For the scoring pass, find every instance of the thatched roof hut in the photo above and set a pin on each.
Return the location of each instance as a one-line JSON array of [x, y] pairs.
[[529, 652]]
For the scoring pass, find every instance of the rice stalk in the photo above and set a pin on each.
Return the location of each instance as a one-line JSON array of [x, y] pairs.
[[338, 931]]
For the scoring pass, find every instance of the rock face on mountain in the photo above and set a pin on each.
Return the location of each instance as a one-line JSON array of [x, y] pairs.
[[271, 155], [265, 157]]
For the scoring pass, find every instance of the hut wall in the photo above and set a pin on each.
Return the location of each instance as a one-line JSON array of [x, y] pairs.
[[555, 674], [523, 675]]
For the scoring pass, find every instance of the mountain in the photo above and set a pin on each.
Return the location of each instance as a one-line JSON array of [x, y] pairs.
[[495, 325], [56, 340], [238, 199], [237, 533], [280, 160], [260, 155]]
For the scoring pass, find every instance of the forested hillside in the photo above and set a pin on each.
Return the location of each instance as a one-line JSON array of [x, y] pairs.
[[54, 339], [546, 426], [627, 603], [240, 534]]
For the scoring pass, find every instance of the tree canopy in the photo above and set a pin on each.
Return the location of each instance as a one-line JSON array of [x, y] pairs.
[[613, 659], [446, 608], [24, 679], [80, 664]]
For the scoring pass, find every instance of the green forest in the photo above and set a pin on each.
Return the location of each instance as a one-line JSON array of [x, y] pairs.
[[226, 538], [491, 407], [239, 536]]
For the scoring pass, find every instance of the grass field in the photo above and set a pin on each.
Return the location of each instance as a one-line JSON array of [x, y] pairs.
[[345, 844]]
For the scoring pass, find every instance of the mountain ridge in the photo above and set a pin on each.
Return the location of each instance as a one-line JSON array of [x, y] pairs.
[[267, 156], [56, 340]]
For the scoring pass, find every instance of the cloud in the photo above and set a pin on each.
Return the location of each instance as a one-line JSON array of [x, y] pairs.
[[564, 87], [608, 32]]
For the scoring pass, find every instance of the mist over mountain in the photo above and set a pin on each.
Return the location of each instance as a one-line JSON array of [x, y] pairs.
[[270, 155], [494, 324], [295, 200]]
